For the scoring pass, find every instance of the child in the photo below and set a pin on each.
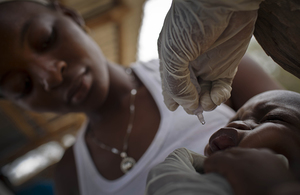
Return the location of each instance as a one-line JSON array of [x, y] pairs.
[[50, 64], [269, 120]]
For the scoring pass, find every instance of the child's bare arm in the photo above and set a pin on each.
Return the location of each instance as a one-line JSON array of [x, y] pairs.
[[65, 176], [249, 81]]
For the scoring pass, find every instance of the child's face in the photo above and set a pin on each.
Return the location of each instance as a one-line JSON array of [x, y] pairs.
[[268, 120], [48, 63]]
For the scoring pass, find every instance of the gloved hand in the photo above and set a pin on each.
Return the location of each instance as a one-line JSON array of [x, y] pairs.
[[200, 47], [181, 173]]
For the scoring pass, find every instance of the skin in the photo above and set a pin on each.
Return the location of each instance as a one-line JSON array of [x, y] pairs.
[[253, 171], [56, 67], [42, 75], [41, 79], [269, 120], [250, 80]]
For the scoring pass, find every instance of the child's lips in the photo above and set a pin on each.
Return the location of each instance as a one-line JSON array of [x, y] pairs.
[[223, 139], [80, 88]]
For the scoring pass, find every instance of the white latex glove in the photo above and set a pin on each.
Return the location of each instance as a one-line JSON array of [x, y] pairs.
[[200, 47], [182, 173]]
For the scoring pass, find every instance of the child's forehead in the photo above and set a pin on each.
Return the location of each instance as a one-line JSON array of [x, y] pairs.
[[25, 7], [279, 97], [272, 100], [13, 16], [16, 20]]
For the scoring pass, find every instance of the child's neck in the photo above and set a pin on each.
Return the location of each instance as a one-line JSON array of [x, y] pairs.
[[116, 105]]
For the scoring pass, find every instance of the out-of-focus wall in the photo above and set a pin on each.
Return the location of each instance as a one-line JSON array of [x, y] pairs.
[[114, 26]]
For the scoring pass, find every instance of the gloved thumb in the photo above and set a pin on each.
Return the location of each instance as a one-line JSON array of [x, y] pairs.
[[213, 93], [169, 102], [220, 91], [205, 99]]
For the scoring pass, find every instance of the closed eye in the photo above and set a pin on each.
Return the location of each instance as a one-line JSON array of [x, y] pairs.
[[48, 41], [271, 117]]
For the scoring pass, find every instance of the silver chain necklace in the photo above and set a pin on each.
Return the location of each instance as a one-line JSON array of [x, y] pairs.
[[127, 162]]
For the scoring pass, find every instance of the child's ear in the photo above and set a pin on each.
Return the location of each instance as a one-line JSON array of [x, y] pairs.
[[74, 15]]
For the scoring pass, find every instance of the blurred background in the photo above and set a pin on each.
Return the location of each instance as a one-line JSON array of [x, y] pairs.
[[126, 30]]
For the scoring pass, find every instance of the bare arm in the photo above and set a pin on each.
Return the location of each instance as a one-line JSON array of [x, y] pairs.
[[65, 176], [249, 81]]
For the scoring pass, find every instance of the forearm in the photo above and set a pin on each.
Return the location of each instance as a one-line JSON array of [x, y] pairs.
[[288, 188], [249, 81]]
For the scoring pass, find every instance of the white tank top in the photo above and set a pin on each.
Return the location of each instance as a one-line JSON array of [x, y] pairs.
[[177, 129]]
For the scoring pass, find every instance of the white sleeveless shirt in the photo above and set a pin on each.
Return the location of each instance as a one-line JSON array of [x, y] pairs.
[[177, 129]]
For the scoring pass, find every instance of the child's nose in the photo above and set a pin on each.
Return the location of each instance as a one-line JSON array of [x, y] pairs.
[[51, 75], [224, 138]]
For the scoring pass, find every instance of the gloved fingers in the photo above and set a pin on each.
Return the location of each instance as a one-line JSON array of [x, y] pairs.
[[187, 159], [169, 102], [213, 93], [189, 104], [198, 161], [190, 108], [220, 91], [188, 96], [194, 79], [205, 98], [181, 86], [182, 90], [206, 102], [168, 99]]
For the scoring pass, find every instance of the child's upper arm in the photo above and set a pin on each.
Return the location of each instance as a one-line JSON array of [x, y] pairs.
[[65, 175], [249, 81]]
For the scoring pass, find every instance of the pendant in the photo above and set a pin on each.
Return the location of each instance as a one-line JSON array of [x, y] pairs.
[[127, 163]]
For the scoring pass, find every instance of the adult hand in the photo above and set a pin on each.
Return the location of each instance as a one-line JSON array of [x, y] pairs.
[[181, 173], [250, 171], [200, 46]]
